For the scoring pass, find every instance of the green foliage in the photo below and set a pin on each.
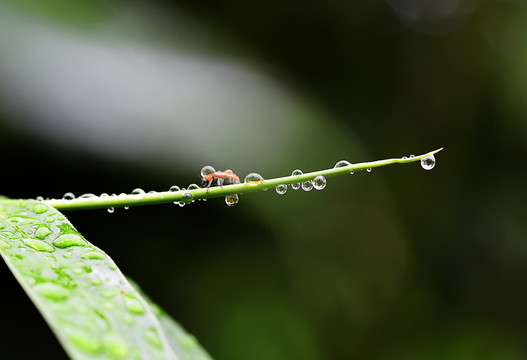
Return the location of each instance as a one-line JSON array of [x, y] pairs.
[[92, 308]]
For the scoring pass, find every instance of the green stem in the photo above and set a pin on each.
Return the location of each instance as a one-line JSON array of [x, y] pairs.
[[202, 193]]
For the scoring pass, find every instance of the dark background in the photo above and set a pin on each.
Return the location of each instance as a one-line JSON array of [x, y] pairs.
[[402, 263]]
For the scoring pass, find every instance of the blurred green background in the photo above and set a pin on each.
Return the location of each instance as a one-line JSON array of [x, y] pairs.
[[106, 96]]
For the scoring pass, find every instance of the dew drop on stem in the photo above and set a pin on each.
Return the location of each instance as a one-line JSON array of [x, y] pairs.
[[207, 170], [319, 182], [428, 162], [232, 200], [253, 179], [68, 196], [138, 193], [281, 189], [296, 172], [307, 185]]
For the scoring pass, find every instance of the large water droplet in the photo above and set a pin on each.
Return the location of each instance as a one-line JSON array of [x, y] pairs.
[[134, 306], [368, 170], [342, 163], [253, 179], [52, 291], [88, 343], [87, 196], [319, 182], [68, 196], [428, 162], [186, 198], [153, 338], [296, 172], [207, 170], [193, 187], [111, 210], [40, 208], [4, 245], [138, 193], [42, 233], [232, 200], [115, 346], [307, 185], [174, 188], [93, 255], [281, 189], [39, 245], [67, 240]]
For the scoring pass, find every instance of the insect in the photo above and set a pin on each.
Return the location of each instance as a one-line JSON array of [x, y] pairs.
[[219, 178]]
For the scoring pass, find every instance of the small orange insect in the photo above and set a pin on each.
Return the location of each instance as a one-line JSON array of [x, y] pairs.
[[220, 178]]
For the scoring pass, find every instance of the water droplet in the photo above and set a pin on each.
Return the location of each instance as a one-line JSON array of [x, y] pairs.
[[193, 187], [319, 182], [52, 291], [133, 305], [111, 210], [186, 198], [67, 240], [50, 219], [342, 163], [281, 189], [127, 207], [405, 157], [87, 196], [93, 255], [153, 338], [428, 162], [68, 196], [138, 193], [368, 170], [88, 343], [253, 179], [188, 341], [40, 198], [207, 170], [174, 188], [296, 172], [307, 185], [412, 156], [42, 232], [4, 245], [232, 200], [39, 245], [104, 195], [115, 346], [122, 196], [40, 208]]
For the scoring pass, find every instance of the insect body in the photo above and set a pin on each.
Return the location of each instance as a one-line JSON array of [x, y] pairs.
[[220, 178]]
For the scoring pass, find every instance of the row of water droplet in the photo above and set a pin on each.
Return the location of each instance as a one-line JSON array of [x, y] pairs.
[[318, 183]]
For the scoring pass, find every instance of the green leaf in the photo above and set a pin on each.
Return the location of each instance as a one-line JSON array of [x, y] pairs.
[[88, 303]]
